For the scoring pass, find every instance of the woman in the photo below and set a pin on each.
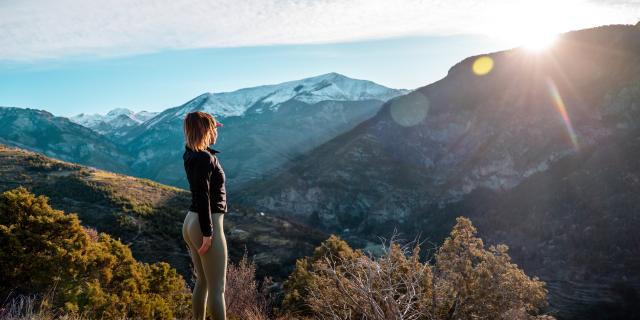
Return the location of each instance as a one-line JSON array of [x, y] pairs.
[[202, 228]]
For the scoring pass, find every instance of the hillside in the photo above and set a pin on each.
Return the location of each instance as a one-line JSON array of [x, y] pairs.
[[539, 151], [148, 216]]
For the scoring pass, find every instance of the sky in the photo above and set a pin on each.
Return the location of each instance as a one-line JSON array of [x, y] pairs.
[[73, 56]]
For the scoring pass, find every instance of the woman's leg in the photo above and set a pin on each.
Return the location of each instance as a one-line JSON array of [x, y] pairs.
[[190, 235], [213, 265], [214, 262]]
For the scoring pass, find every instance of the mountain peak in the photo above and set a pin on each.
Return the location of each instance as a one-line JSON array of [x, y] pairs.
[[115, 119], [311, 90], [330, 75], [119, 111]]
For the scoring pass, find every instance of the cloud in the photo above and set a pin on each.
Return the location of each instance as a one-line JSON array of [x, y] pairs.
[[33, 29], [618, 2]]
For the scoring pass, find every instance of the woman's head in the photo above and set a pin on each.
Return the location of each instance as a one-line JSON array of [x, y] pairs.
[[200, 130]]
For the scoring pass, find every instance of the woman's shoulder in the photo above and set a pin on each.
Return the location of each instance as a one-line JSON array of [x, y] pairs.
[[197, 156], [205, 156]]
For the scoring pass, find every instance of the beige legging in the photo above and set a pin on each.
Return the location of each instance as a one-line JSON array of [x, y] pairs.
[[211, 268]]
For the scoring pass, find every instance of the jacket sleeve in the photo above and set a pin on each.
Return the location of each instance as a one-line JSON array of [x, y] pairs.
[[200, 190], [218, 189]]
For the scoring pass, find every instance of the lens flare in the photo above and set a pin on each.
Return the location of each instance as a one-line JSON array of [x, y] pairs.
[[562, 109], [483, 65], [409, 110]]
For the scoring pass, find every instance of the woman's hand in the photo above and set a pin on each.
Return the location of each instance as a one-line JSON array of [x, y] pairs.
[[206, 243]]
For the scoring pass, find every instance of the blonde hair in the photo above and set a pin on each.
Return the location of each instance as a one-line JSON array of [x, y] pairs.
[[199, 130]]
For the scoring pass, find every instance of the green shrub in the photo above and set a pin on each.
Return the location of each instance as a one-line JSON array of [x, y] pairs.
[[44, 250]]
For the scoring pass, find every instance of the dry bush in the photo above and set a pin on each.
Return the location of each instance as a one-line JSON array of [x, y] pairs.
[[32, 308], [465, 281], [396, 286], [246, 299]]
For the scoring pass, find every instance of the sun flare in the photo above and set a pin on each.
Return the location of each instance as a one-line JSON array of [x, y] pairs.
[[539, 42], [537, 25], [533, 38]]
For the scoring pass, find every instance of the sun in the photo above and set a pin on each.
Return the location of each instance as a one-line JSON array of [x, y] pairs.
[[535, 39], [534, 25], [538, 41]]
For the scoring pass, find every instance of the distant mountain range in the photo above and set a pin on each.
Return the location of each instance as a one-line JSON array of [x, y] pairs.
[[115, 123], [261, 132]]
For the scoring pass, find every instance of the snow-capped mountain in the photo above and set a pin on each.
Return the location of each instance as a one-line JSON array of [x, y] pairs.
[[115, 122], [331, 86], [262, 125]]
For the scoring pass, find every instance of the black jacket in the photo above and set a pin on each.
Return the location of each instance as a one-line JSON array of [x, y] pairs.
[[206, 182]]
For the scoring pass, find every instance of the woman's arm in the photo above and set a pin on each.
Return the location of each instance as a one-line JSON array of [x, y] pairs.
[[200, 188]]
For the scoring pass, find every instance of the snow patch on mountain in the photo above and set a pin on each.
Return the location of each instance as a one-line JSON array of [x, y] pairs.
[[330, 86], [115, 119]]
